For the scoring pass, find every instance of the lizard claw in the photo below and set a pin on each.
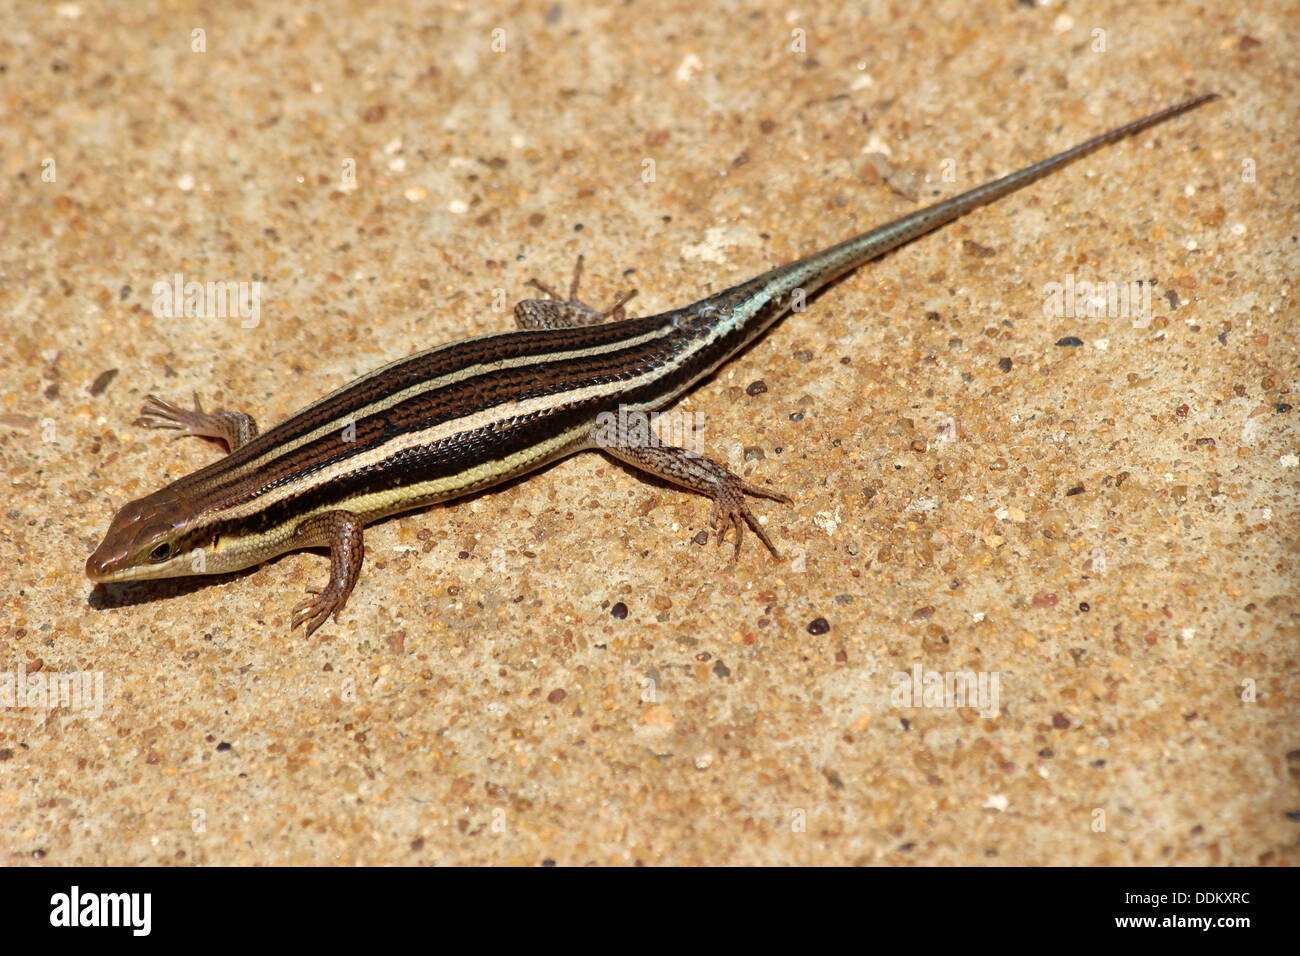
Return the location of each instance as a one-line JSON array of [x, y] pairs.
[[315, 611], [730, 510]]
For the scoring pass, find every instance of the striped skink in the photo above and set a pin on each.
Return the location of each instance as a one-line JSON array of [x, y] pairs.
[[470, 414]]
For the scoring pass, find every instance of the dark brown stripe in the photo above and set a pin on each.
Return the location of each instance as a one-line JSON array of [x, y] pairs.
[[434, 363], [218, 486]]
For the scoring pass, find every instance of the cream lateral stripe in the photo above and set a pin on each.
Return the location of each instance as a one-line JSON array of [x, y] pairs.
[[457, 426], [376, 504], [427, 385]]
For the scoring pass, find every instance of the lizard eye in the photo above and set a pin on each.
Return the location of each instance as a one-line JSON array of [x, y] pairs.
[[161, 553]]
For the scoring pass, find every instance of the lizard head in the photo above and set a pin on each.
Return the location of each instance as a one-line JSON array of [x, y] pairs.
[[146, 539]]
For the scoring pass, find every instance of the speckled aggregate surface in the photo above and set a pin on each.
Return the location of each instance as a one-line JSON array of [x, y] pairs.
[[1096, 510]]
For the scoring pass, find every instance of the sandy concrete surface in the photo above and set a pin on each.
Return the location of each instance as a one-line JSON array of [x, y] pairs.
[[1093, 513]]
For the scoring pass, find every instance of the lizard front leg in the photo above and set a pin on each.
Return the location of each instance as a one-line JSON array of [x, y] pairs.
[[236, 429], [340, 531]]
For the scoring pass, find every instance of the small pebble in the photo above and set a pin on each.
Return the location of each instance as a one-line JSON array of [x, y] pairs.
[[102, 381]]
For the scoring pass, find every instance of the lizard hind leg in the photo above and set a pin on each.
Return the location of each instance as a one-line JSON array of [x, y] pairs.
[[556, 312], [692, 470]]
